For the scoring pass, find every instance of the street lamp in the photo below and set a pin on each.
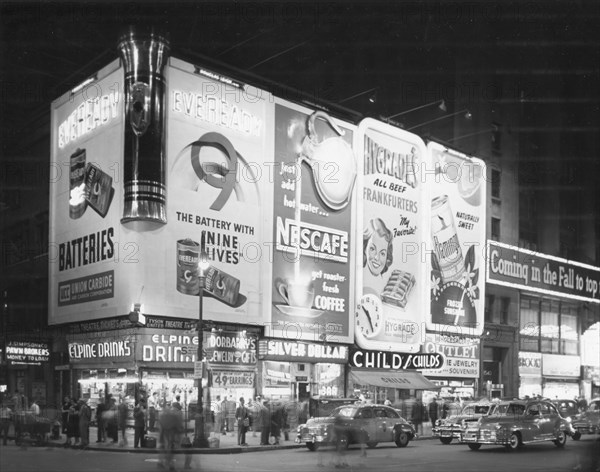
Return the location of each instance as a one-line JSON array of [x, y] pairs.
[[200, 437]]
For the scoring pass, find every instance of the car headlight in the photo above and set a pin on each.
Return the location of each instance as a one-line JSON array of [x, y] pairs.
[[438, 422], [569, 419]]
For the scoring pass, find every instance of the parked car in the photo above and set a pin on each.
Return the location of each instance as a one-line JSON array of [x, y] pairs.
[[588, 422], [515, 423], [452, 427], [356, 424]]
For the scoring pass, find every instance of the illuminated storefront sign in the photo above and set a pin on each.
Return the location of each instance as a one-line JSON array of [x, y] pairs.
[[26, 352], [298, 351], [395, 361], [461, 353]]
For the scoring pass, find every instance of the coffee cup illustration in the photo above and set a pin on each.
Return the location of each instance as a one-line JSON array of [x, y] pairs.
[[297, 293]]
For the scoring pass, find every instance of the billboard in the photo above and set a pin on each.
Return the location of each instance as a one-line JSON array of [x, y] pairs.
[[85, 201], [458, 208], [313, 208], [219, 138], [392, 279]]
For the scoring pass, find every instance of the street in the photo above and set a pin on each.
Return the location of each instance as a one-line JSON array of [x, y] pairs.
[[421, 455]]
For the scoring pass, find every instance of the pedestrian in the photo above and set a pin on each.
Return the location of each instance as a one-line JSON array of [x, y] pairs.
[[276, 422], [445, 409], [85, 415], [100, 420], [5, 414], [387, 402], [152, 403], [417, 416], [139, 424], [171, 428], [433, 411], [111, 419], [35, 408], [65, 413], [177, 403], [73, 424], [582, 403], [243, 421], [265, 421], [123, 413]]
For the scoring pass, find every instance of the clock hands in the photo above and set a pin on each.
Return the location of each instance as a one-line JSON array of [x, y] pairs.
[[368, 318]]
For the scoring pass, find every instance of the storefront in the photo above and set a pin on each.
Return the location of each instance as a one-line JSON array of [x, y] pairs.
[[298, 370], [560, 376], [530, 374], [27, 364], [382, 375]]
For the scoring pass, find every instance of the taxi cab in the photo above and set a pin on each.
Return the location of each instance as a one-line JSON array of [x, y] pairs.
[[355, 424]]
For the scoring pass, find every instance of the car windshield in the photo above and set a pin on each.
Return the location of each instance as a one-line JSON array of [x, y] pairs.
[[345, 411], [510, 409]]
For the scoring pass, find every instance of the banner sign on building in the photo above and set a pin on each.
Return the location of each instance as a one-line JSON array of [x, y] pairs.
[[530, 364], [554, 365], [232, 379], [392, 281], [314, 186], [528, 270], [458, 206]]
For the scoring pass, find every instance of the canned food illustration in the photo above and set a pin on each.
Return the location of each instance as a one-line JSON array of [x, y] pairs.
[[221, 285], [188, 253], [77, 202], [445, 240]]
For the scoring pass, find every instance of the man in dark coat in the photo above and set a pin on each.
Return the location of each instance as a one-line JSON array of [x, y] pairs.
[[265, 419], [100, 409], [433, 411]]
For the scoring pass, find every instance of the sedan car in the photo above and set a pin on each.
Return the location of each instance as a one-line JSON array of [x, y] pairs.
[[452, 427], [515, 423], [357, 424], [588, 422]]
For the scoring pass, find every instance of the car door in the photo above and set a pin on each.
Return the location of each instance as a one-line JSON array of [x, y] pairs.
[[531, 423], [365, 423], [551, 419], [384, 425]]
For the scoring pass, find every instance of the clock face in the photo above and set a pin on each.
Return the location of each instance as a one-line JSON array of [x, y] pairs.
[[368, 316]]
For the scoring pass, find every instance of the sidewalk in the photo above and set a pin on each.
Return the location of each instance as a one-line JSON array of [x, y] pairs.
[[227, 443]]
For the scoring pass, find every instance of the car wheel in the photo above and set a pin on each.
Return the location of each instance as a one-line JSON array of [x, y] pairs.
[[576, 436], [312, 446], [513, 442], [371, 444], [446, 440], [474, 446], [561, 439], [402, 439]]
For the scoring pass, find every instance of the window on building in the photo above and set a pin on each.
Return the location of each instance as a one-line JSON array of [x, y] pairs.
[[569, 338], [489, 308], [496, 229], [495, 183], [529, 325], [549, 327]]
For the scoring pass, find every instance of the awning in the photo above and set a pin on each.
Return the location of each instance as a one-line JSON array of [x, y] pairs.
[[393, 379]]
